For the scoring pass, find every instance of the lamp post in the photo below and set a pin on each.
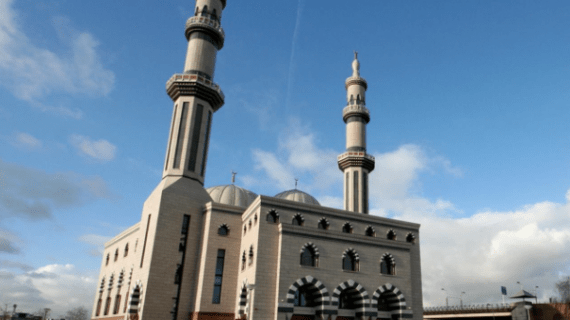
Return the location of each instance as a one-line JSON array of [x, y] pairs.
[[461, 298], [446, 297], [536, 294]]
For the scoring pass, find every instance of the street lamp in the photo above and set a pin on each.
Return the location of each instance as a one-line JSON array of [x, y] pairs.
[[446, 297], [461, 298], [536, 294]]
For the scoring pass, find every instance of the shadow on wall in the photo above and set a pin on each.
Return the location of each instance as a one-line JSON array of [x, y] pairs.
[[551, 311]]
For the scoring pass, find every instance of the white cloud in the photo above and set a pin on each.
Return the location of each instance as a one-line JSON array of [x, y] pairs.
[[32, 72], [34, 194], [26, 141], [58, 287], [101, 150]]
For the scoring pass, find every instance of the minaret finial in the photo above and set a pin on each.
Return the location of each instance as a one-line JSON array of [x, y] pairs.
[[233, 177], [355, 66], [296, 180]]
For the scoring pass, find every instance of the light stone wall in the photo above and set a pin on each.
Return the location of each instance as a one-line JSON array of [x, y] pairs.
[[216, 215], [123, 264]]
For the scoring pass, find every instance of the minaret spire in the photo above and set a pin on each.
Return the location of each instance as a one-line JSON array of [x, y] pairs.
[[355, 163], [196, 97]]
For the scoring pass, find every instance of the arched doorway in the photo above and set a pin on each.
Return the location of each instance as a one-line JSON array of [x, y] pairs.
[[390, 303], [350, 299], [306, 299]]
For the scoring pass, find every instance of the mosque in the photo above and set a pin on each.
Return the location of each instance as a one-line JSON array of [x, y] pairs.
[[228, 253]]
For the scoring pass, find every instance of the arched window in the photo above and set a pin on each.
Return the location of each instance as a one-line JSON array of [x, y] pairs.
[[249, 224], [197, 11], [223, 230], [243, 261], [107, 306], [244, 230], [255, 219], [310, 255], [345, 301], [350, 260], [251, 255], [126, 250], [117, 304], [205, 11], [298, 220], [214, 15], [391, 235], [107, 260], [347, 228], [98, 310], [303, 297], [323, 224], [351, 99], [370, 232], [273, 217], [387, 265], [116, 254], [411, 238]]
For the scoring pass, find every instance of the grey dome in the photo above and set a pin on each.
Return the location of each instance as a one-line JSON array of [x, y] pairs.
[[299, 196], [232, 195]]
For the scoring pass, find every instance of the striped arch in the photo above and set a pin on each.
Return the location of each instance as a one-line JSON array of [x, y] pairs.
[[351, 228], [298, 216], [345, 253], [370, 231], [389, 257], [243, 299], [396, 302], [411, 237], [102, 287], [134, 300], [391, 234], [318, 291], [274, 214], [121, 278], [224, 225], [111, 278], [358, 295], [325, 221], [312, 247]]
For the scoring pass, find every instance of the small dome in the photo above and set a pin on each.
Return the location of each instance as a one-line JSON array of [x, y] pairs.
[[232, 195], [299, 196]]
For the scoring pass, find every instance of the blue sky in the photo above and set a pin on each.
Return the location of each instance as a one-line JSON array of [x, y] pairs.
[[469, 103]]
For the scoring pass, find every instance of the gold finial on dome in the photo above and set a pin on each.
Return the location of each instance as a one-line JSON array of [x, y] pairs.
[[233, 177], [355, 65]]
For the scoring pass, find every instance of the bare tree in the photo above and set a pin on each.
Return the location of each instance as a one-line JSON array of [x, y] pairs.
[[79, 313], [563, 287]]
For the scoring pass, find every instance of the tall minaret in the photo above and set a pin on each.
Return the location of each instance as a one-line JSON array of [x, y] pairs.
[[355, 163], [196, 97]]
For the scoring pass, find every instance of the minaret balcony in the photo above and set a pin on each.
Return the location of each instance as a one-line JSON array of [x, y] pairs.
[[356, 81], [210, 26], [195, 85], [356, 110], [356, 159]]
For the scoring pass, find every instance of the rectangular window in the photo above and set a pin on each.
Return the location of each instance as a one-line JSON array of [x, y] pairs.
[[170, 141], [205, 144], [185, 224], [144, 242], [355, 177], [346, 191], [364, 192], [218, 277]]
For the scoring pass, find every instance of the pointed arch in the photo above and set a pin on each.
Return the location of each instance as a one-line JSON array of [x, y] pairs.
[[309, 255], [355, 294], [391, 235], [394, 302], [314, 290], [370, 232], [204, 11], [102, 287]]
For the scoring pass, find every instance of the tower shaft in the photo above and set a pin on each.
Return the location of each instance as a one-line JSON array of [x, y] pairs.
[[355, 163], [196, 97]]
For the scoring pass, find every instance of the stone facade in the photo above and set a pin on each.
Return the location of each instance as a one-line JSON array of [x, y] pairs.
[[227, 253]]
